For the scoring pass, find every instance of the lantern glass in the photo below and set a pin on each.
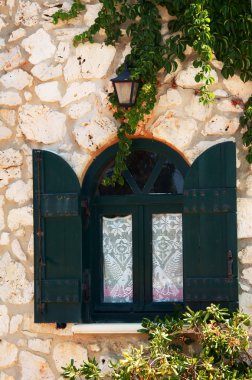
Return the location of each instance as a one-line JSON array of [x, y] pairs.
[[123, 90]]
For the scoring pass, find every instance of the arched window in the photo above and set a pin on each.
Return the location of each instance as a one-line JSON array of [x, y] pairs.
[[164, 240]]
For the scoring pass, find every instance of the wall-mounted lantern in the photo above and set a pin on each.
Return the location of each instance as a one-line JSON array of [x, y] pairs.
[[126, 89]]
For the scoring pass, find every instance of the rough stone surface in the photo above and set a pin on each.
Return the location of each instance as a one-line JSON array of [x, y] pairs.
[[173, 98], [247, 275], [227, 105], [186, 77], [40, 345], [245, 255], [19, 217], [17, 250], [17, 34], [2, 222], [10, 98], [77, 161], [15, 323], [199, 148], [27, 13], [44, 71], [245, 302], [3, 376], [18, 79], [77, 110], [198, 110], [39, 46], [93, 135], [220, 125], [14, 287], [62, 52], [63, 352], [238, 88], [77, 91], [8, 116], [179, 132], [19, 192], [5, 133], [248, 184], [91, 13], [4, 238], [90, 61], [48, 92], [8, 354], [244, 218], [4, 320], [6, 175], [34, 367], [10, 158], [30, 247], [42, 124], [11, 59]]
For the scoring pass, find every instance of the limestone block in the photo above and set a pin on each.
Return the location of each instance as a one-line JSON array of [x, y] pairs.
[[2, 43], [15, 323], [192, 154], [221, 125], [77, 91], [30, 247], [2, 222], [39, 46], [77, 161], [245, 255], [27, 13], [34, 367], [10, 98], [64, 352], [11, 59], [217, 64], [197, 110], [3, 24], [247, 275], [14, 287], [19, 192], [219, 93], [173, 98], [48, 92], [6, 175], [18, 79], [90, 61], [42, 124], [44, 71], [5, 133], [177, 131], [10, 158], [77, 110], [8, 116], [67, 34], [62, 52], [126, 51], [3, 376], [244, 218], [17, 34], [238, 88], [245, 302], [91, 14], [94, 135], [8, 354], [186, 77], [248, 185], [40, 345], [4, 321], [20, 217], [94, 347], [17, 250], [227, 105], [4, 238]]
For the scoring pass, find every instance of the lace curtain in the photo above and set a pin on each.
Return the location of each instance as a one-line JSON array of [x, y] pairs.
[[167, 257], [117, 253]]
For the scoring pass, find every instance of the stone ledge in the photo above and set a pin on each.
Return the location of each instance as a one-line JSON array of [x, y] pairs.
[[107, 328]]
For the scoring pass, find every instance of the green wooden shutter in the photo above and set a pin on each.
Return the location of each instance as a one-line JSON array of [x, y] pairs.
[[210, 230], [58, 240]]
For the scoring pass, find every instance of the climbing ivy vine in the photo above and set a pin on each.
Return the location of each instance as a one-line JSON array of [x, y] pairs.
[[209, 26]]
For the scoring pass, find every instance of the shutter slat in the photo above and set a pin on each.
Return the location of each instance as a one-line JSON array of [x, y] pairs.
[[209, 229], [60, 204]]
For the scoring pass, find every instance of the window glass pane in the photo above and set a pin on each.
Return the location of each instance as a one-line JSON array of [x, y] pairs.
[[167, 258], [117, 257], [170, 180], [140, 164], [112, 190]]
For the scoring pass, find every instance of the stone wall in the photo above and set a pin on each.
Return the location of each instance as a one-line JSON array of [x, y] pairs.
[[54, 96]]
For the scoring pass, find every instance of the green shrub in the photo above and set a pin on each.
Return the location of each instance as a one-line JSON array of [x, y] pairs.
[[202, 345]]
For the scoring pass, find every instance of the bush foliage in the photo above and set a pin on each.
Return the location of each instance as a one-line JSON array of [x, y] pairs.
[[210, 344]]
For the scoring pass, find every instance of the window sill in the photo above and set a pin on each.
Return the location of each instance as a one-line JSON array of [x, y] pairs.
[[107, 328]]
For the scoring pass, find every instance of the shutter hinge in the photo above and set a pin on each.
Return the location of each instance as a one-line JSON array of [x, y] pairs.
[[86, 286], [229, 266], [41, 307]]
